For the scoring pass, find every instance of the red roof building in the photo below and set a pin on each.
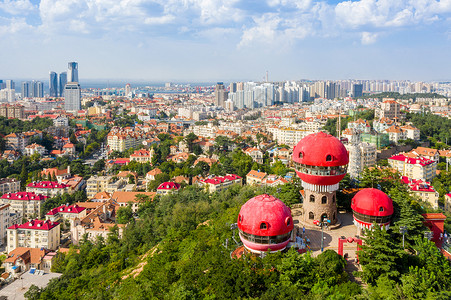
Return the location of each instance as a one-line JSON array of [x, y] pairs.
[[167, 188], [66, 212], [265, 223], [47, 188], [25, 204], [414, 167], [219, 183], [30, 234], [371, 206]]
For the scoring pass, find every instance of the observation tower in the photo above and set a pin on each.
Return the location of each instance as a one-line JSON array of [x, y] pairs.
[[371, 206], [265, 223], [320, 160]]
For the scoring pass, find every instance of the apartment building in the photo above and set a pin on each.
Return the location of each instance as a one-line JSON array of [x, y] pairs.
[[219, 183], [423, 190], [414, 168], [9, 185], [5, 222], [142, 155], [47, 188], [361, 156], [255, 177], [256, 154], [121, 139], [34, 234], [25, 204], [66, 212], [110, 184]]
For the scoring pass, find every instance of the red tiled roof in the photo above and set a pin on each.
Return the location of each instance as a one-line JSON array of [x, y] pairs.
[[168, 186], [64, 209], [25, 196], [420, 160], [36, 224], [47, 185], [218, 179]]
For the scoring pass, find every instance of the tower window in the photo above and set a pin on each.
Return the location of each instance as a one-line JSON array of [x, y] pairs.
[[311, 216], [329, 157], [324, 200], [381, 208], [301, 155], [312, 198], [263, 226]]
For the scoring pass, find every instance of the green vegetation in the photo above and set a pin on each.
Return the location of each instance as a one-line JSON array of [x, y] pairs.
[[433, 127], [331, 124]]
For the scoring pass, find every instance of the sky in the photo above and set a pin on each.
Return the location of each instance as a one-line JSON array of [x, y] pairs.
[[227, 40]]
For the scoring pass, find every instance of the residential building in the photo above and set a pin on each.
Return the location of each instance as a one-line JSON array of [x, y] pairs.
[[72, 97], [423, 190], [429, 153], [125, 198], [219, 183], [60, 175], [66, 212], [414, 168], [12, 111], [361, 155], [142, 155], [9, 185], [24, 204], [72, 68], [97, 222], [35, 148], [47, 188], [152, 173], [167, 188], [5, 222], [22, 259], [221, 94], [109, 184], [34, 234], [447, 201], [256, 154], [255, 177], [61, 121], [389, 109], [121, 139]]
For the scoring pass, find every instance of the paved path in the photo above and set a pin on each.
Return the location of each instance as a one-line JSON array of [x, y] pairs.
[[17, 289]]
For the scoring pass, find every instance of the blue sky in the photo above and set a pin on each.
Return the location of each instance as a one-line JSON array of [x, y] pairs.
[[226, 40]]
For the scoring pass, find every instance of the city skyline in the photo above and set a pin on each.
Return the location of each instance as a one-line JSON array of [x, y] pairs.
[[207, 41]]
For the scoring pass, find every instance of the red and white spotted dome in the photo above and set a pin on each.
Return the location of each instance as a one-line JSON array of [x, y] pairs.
[[265, 223]]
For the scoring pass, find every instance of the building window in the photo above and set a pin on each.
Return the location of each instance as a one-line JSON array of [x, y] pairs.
[[381, 208], [324, 200], [311, 216], [333, 198], [329, 157], [312, 198], [263, 226]]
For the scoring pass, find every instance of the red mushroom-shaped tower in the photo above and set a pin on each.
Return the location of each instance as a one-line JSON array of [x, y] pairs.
[[320, 161], [265, 223], [371, 206]]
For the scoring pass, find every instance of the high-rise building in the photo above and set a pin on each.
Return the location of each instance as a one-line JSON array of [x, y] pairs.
[[357, 90], [220, 94], [72, 71], [72, 96], [38, 89], [62, 83], [53, 85], [10, 84], [26, 86]]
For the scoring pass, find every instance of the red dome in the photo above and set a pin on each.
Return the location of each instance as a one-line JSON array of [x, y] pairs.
[[265, 223], [372, 202], [268, 209], [320, 149]]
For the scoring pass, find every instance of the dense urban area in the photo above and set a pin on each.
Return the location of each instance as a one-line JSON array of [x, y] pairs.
[[143, 192]]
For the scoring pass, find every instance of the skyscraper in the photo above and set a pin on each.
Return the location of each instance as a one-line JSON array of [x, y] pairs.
[[25, 89], [38, 89], [72, 71], [53, 85], [357, 90], [62, 83], [220, 94], [72, 96]]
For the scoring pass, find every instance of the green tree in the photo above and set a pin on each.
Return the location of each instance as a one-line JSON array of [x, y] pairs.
[[379, 255], [124, 214]]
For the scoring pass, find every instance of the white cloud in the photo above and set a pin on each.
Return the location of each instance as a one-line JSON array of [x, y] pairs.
[[17, 7], [14, 26], [166, 19], [369, 38]]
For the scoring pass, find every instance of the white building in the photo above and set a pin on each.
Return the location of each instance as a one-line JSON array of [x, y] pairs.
[[34, 234], [72, 96]]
